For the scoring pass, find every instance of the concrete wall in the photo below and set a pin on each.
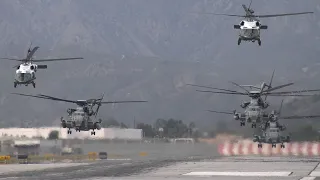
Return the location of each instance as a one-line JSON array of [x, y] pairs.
[[104, 133]]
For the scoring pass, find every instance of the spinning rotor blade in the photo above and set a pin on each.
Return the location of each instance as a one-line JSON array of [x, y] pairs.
[[278, 15], [236, 93], [213, 88], [300, 117], [112, 102], [291, 95], [45, 97], [29, 56], [239, 86], [292, 92], [234, 15], [221, 112], [269, 86], [99, 104], [59, 59], [11, 59], [277, 87]]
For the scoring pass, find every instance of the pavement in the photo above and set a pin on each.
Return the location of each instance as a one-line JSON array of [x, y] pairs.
[[172, 165]]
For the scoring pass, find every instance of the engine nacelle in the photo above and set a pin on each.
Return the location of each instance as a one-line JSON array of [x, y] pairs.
[[265, 105], [97, 125], [236, 117], [255, 138]]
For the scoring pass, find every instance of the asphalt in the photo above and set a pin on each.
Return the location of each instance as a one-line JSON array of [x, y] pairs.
[[177, 164]]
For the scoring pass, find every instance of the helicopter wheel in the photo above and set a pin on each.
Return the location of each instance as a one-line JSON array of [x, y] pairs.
[[242, 124], [34, 84], [239, 41], [15, 85], [69, 131], [253, 125], [274, 146], [93, 133], [259, 145], [282, 146], [259, 42]]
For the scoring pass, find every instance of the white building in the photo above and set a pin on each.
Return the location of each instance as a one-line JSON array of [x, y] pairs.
[[103, 133]]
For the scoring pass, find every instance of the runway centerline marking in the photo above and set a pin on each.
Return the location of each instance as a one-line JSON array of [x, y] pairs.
[[219, 173]]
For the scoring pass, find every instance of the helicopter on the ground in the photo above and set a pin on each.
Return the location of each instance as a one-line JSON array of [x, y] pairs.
[[79, 118], [250, 26], [25, 73]]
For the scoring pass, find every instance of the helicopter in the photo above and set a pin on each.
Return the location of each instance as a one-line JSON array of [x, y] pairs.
[[274, 116], [25, 73], [250, 26], [254, 109], [273, 136], [79, 118]]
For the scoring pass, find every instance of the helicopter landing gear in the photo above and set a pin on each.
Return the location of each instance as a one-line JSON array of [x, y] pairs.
[[259, 145], [14, 84], [69, 131], [259, 42], [274, 145], [93, 133], [34, 84], [282, 146], [242, 123], [253, 125], [239, 41]]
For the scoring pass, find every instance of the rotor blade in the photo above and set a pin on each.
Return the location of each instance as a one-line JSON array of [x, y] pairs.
[[277, 15], [239, 86], [291, 92], [11, 59], [234, 15], [97, 110], [250, 4], [300, 117], [59, 59], [277, 87], [269, 86], [29, 56], [45, 97], [221, 112], [112, 102], [292, 95], [213, 88], [280, 107], [224, 92]]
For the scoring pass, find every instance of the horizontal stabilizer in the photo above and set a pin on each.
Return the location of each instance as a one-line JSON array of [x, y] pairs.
[[42, 66], [236, 26], [264, 27]]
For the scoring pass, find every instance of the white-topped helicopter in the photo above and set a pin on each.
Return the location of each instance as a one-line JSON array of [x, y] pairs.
[[25, 73], [250, 26]]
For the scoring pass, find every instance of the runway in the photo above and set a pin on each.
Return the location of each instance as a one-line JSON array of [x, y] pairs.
[[221, 168], [173, 162]]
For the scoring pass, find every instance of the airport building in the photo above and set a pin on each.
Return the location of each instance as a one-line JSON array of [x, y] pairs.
[[43, 132]]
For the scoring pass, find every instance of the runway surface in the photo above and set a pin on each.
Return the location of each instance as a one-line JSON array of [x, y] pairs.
[[178, 162], [224, 168]]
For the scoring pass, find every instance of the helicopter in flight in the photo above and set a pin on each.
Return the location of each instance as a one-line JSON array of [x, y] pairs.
[[275, 116], [25, 73], [254, 109], [272, 135], [80, 118], [250, 26]]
